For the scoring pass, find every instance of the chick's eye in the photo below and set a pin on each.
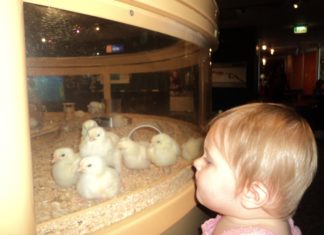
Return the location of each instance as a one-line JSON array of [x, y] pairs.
[[98, 135], [63, 155], [89, 165]]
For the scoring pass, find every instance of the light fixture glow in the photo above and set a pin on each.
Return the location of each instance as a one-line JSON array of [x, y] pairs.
[[300, 29], [295, 5], [97, 28], [272, 51], [264, 47], [264, 61]]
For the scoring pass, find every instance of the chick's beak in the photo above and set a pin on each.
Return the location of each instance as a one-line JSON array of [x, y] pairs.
[[54, 158], [80, 168]]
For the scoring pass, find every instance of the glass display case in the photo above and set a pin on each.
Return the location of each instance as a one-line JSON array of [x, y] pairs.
[[127, 67], [138, 68]]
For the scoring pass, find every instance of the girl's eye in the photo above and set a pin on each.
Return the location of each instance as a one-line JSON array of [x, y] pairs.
[[207, 160]]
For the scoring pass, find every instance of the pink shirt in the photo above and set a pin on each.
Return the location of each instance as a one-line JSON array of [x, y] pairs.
[[209, 226]]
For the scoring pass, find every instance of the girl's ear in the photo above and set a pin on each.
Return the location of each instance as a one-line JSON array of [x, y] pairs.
[[254, 196]]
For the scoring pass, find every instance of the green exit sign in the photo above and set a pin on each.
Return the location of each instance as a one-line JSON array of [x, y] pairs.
[[300, 29]]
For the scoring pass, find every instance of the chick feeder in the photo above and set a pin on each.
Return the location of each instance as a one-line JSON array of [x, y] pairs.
[[151, 201], [145, 125]]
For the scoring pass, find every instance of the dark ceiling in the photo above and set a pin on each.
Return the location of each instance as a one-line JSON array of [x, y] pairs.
[[274, 21]]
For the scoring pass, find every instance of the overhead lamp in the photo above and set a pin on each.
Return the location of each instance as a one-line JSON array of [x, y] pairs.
[[264, 47], [298, 29], [97, 27], [296, 4], [272, 51], [264, 61]]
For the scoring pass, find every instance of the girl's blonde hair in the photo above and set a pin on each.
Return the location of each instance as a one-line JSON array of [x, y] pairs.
[[271, 144]]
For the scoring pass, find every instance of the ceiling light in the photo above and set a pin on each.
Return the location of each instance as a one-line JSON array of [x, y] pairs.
[[264, 61], [272, 51], [296, 3], [300, 29], [264, 47], [96, 27]]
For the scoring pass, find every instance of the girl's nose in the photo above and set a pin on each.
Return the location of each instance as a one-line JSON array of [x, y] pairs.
[[198, 163]]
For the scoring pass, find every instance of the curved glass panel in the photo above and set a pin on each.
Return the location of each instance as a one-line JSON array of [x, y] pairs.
[[58, 33], [132, 69]]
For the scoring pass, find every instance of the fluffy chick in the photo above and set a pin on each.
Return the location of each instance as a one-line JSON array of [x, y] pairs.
[[96, 108], [101, 143], [192, 148], [134, 154], [163, 150], [86, 126], [97, 181], [113, 137], [65, 164]]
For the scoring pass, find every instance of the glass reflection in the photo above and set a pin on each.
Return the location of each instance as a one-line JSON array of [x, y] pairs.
[[52, 32], [169, 89]]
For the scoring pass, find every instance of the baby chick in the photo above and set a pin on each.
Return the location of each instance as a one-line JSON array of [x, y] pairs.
[[134, 153], [101, 143], [163, 150], [119, 120], [86, 126], [192, 149], [96, 108], [97, 181], [64, 170], [113, 137]]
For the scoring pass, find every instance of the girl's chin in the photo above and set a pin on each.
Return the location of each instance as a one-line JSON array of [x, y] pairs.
[[199, 198], [202, 202]]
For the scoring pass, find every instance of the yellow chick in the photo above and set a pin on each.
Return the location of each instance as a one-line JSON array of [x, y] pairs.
[[163, 150], [97, 181], [101, 143], [65, 164], [134, 154], [192, 148], [86, 126]]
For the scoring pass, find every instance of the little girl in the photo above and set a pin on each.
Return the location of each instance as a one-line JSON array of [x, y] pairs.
[[258, 161]]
